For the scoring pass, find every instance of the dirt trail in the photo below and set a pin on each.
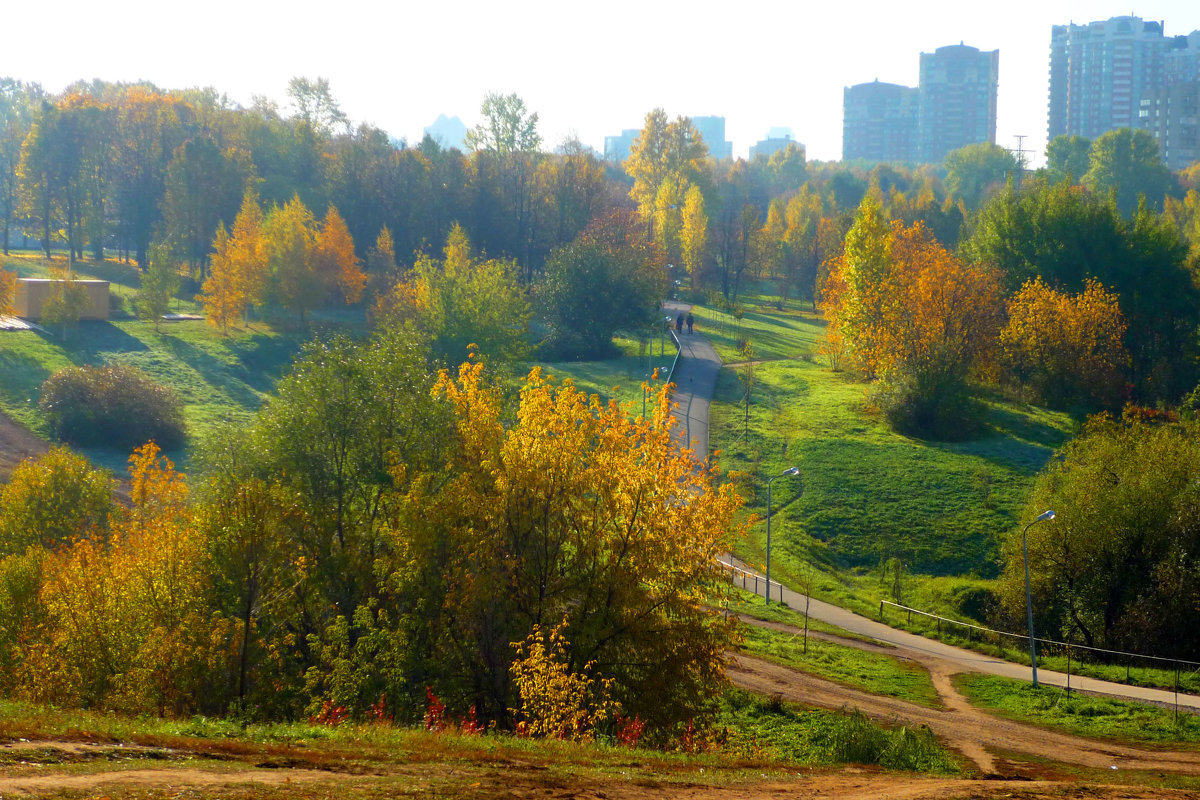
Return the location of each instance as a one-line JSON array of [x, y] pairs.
[[978, 735], [17, 443]]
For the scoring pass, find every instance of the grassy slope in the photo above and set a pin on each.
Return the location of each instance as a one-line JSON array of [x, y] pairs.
[[218, 378], [1083, 715], [867, 492]]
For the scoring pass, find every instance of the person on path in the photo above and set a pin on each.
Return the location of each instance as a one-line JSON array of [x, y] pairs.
[[679, 323], [690, 321]]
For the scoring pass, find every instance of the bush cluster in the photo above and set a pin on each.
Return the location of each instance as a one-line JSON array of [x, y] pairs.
[[112, 406]]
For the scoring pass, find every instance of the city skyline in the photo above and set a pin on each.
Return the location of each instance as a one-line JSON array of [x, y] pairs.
[[591, 74]]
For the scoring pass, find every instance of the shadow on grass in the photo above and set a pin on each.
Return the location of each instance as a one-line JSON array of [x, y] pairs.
[[215, 372], [265, 358], [21, 377], [85, 343]]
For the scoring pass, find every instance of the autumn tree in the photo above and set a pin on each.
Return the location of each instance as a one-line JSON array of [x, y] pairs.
[[126, 624], [664, 150], [461, 301], [8, 291], [693, 234], [288, 239], [335, 262], [52, 500], [583, 535], [916, 317], [203, 185], [1067, 348]]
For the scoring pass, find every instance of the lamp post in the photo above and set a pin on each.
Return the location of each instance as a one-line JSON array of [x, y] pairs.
[[788, 471], [1045, 515]]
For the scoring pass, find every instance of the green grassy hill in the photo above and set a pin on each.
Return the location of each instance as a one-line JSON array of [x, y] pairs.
[[866, 494]]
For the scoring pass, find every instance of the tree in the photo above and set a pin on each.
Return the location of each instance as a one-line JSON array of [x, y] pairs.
[[1068, 157], [66, 301], [221, 295], [52, 500], [584, 535], [1118, 563], [973, 170], [203, 186], [664, 150], [916, 317], [8, 291], [1068, 348], [335, 262], [693, 235], [1127, 162], [159, 284], [606, 280], [18, 104], [287, 239], [508, 127], [316, 106], [461, 303]]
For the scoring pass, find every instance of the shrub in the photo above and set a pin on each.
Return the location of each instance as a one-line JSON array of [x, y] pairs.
[[928, 405], [113, 406], [53, 499]]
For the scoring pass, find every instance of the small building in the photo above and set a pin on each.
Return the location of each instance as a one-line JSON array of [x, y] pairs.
[[32, 294]]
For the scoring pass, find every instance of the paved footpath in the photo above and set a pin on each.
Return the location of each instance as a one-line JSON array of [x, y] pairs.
[[696, 381]]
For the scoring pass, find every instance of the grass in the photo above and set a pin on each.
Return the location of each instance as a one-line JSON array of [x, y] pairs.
[[1083, 715], [815, 737], [871, 672], [762, 738], [219, 379], [619, 378], [866, 493]]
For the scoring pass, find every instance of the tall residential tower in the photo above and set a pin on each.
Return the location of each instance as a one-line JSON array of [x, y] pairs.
[[958, 100]]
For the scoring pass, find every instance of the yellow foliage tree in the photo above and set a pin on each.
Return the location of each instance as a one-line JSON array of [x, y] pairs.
[[8, 291], [576, 512], [125, 621], [1068, 348], [334, 259], [556, 701], [221, 294]]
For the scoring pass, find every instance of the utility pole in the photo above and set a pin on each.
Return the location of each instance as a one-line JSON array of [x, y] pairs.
[[1020, 158]]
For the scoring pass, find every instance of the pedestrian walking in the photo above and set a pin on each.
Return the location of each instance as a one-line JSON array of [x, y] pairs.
[[679, 323], [690, 321]]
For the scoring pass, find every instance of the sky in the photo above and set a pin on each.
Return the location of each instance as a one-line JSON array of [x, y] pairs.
[[587, 70]]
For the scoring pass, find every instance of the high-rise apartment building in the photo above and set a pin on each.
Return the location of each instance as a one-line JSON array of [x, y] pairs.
[[954, 106], [1171, 114], [1099, 73], [712, 131], [958, 100], [616, 148], [879, 122]]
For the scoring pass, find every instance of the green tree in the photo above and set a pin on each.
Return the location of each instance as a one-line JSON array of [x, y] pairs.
[[972, 170], [597, 285], [1068, 157], [1127, 162], [316, 107], [508, 126], [1118, 563], [160, 282]]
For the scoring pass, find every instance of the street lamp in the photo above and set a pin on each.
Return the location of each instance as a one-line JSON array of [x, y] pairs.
[[1045, 515], [788, 471]]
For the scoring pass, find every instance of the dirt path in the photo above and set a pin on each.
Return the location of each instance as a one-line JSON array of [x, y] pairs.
[[979, 736], [17, 443]]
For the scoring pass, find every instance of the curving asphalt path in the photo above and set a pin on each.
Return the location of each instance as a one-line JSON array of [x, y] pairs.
[[696, 381]]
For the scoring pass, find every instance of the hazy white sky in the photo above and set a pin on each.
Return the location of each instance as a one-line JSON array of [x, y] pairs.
[[591, 69]]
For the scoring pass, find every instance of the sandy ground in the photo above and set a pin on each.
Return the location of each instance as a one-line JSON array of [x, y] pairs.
[[17, 443]]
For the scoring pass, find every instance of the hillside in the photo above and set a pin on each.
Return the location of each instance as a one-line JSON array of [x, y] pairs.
[[866, 494]]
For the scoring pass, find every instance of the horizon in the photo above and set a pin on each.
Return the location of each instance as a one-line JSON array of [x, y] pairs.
[[564, 63]]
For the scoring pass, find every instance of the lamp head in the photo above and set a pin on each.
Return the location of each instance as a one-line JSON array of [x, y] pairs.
[[1045, 515], [791, 471]]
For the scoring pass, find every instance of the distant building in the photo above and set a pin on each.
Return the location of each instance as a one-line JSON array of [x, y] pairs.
[[958, 100], [449, 132], [772, 145], [879, 122], [1099, 73], [616, 148], [1171, 114], [712, 131]]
